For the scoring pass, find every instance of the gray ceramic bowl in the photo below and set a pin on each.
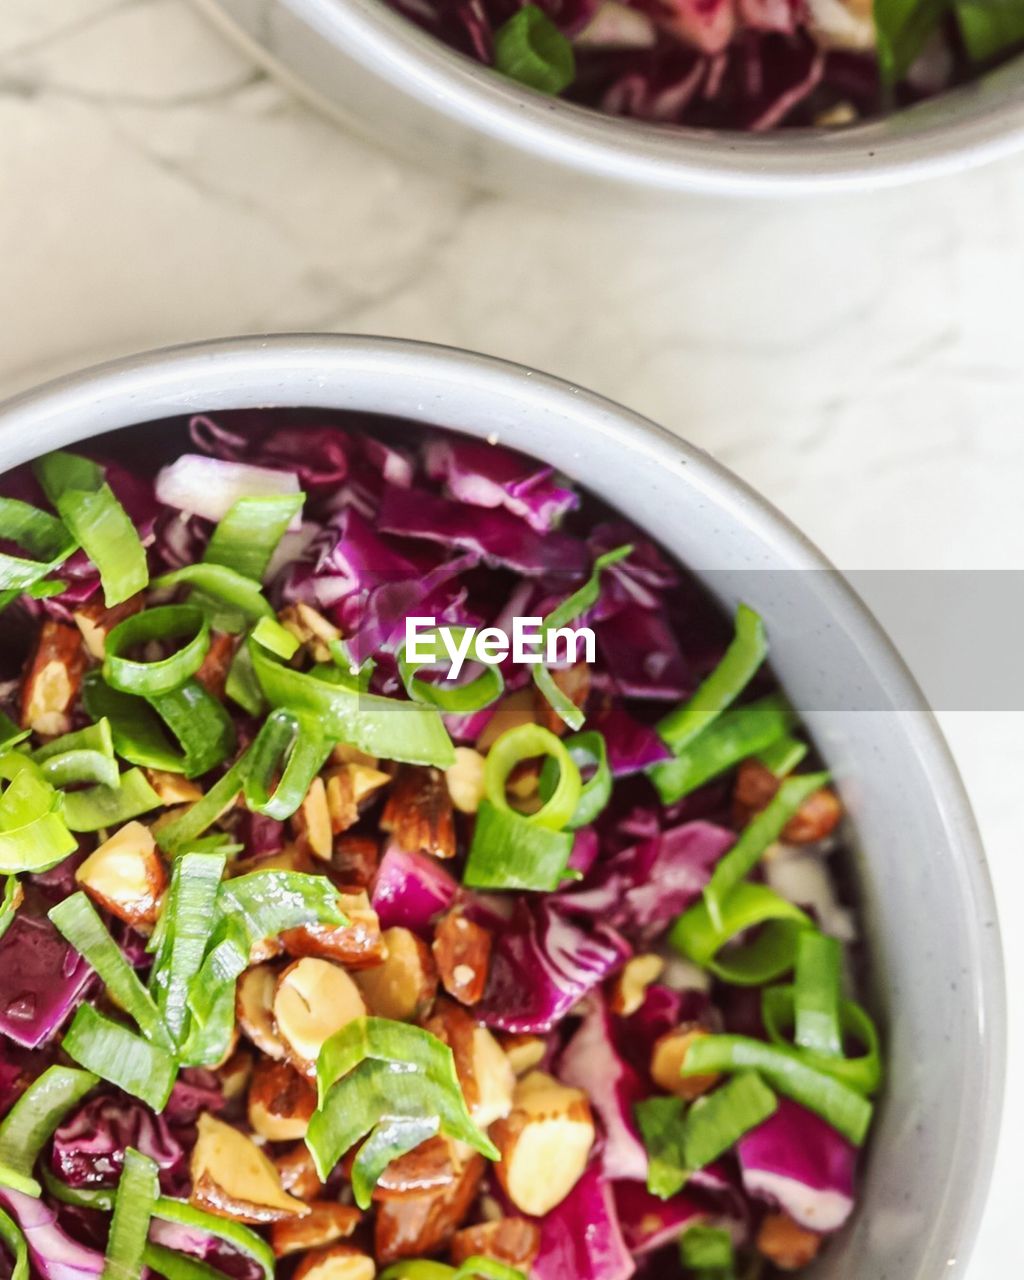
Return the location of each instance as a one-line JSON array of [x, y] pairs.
[[918, 864], [370, 67]]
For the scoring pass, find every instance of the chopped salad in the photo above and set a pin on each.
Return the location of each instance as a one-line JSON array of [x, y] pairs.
[[315, 963]]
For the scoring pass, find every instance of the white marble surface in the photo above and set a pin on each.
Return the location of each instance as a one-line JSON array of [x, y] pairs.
[[857, 359]]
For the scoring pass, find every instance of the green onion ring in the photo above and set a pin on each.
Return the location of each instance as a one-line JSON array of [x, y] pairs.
[[771, 954], [587, 748], [863, 1073], [292, 746], [525, 742], [163, 623], [456, 699]]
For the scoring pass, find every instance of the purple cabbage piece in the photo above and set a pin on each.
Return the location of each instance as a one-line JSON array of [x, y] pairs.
[[643, 888], [641, 579], [42, 980], [798, 1162], [88, 1148], [649, 1223], [411, 890], [394, 464], [639, 649], [196, 1090], [486, 475], [632, 746], [582, 1237], [592, 1063], [54, 1255], [542, 964], [207, 1248], [495, 535], [318, 455]]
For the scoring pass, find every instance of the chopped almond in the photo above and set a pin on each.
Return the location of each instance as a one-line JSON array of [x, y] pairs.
[[355, 860], [339, 1262], [545, 1143], [254, 1009], [667, 1060], [313, 1000], [231, 1177], [418, 812], [312, 822], [234, 1074], [419, 1225], [630, 986], [344, 753], [484, 1071], [126, 876], [281, 1102], [512, 711], [311, 629], [403, 987], [174, 788], [574, 682], [349, 791], [213, 673], [465, 779], [327, 1222], [462, 950], [514, 1241], [95, 621], [785, 1243], [298, 1173], [357, 945], [53, 679], [524, 1052], [431, 1165]]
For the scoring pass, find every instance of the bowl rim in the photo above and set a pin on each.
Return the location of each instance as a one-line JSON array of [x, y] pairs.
[[977, 122], [299, 370]]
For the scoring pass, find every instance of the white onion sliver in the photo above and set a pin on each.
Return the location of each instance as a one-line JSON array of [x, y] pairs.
[[210, 487]]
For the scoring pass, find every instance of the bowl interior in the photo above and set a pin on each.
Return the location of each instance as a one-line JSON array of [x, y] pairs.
[[920, 874]]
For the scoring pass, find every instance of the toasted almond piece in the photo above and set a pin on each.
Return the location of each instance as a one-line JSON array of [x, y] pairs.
[[462, 949], [433, 1164], [254, 1009], [667, 1062], [574, 682], [357, 945], [544, 1143], [327, 1222], [343, 753], [465, 779], [173, 788], [514, 1241], [512, 711], [785, 1243], [418, 812], [95, 622], [298, 1173], [349, 790], [355, 860], [452, 1024], [281, 1102], [311, 629], [313, 1000], [419, 1225], [495, 1079], [125, 875], [235, 1074], [53, 679], [630, 986], [339, 1262], [312, 822], [231, 1177], [524, 1052], [403, 987], [213, 673]]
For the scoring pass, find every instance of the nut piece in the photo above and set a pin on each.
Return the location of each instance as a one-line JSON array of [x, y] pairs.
[[281, 1102], [544, 1143], [667, 1062], [349, 791], [311, 629], [339, 1262], [631, 984], [514, 1241], [355, 860], [298, 1173], [431, 1165], [312, 822], [313, 1000], [231, 1177], [574, 682], [357, 945], [95, 621], [484, 1071], [418, 812], [213, 673], [234, 1075], [173, 788], [816, 818], [125, 875], [52, 680], [254, 1009], [327, 1222], [786, 1244], [420, 1225], [462, 950], [403, 987], [524, 1052], [465, 780]]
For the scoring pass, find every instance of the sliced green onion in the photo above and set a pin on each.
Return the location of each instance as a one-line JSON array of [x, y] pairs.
[[707, 1249], [87, 755], [292, 749], [786, 1072], [783, 755], [236, 599], [137, 1191], [33, 833], [100, 807], [201, 725], [587, 750], [94, 517], [509, 852], [9, 901], [525, 742], [232, 1233], [136, 731], [757, 837], [179, 834], [771, 953], [32, 1120], [120, 1056], [94, 737], [79, 922], [166, 622], [246, 538], [173, 1265], [863, 1073], [392, 1138], [29, 796], [10, 734], [721, 688], [100, 1198], [530, 49], [241, 685], [278, 639], [13, 1237], [734, 735], [570, 609], [715, 1122], [816, 994], [458, 699], [384, 727], [475, 1268], [660, 1120], [38, 532], [988, 29]]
